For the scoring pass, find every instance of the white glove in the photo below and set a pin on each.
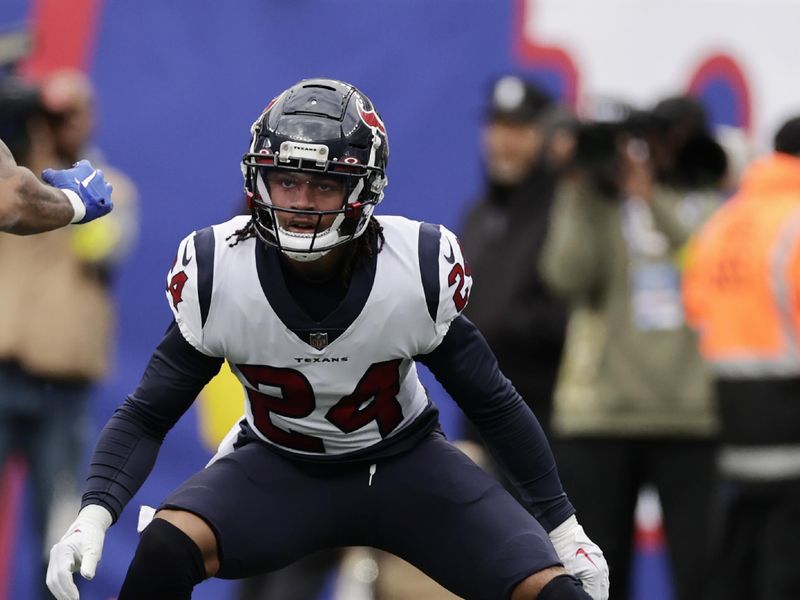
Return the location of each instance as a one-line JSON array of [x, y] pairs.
[[582, 558], [80, 548]]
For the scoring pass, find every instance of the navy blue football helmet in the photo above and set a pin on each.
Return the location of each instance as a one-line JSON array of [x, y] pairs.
[[317, 126]]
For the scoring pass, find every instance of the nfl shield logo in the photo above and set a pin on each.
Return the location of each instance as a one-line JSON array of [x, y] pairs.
[[318, 340]]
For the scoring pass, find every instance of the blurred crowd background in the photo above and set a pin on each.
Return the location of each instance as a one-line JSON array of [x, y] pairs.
[[588, 154]]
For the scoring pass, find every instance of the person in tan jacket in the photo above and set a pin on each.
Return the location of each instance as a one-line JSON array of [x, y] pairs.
[[56, 312], [634, 402]]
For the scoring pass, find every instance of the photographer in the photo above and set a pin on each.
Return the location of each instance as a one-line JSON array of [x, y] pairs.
[[633, 403], [520, 318], [55, 317]]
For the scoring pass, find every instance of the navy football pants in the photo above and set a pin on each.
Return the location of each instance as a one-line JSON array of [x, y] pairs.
[[431, 506]]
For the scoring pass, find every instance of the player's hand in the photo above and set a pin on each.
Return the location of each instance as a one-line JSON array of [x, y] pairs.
[[85, 187], [80, 548], [582, 558]]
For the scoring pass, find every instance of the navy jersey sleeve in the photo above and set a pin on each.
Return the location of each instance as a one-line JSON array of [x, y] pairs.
[[465, 365], [128, 445]]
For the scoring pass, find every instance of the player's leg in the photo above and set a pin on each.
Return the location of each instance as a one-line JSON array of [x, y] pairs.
[[684, 472], [250, 512], [171, 558], [199, 532], [301, 580], [446, 516]]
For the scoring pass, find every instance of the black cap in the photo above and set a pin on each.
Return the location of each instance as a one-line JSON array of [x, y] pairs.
[[513, 98], [787, 139]]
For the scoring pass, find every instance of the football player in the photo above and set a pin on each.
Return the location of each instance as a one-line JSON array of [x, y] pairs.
[[27, 206], [322, 308]]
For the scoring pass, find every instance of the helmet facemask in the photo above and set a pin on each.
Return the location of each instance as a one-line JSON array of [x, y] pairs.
[[350, 220]]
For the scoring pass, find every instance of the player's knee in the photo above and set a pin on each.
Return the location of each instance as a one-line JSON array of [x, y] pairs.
[[167, 565], [199, 531], [563, 587]]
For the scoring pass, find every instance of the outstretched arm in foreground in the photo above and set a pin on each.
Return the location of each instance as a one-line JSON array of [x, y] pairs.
[[76, 195]]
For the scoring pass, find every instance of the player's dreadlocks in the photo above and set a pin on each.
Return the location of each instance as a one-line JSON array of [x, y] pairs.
[[245, 233], [361, 250]]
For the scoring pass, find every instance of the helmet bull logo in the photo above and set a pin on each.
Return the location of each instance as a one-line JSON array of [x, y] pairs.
[[371, 118]]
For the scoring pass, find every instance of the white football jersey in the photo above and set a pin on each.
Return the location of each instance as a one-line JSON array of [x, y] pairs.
[[339, 385]]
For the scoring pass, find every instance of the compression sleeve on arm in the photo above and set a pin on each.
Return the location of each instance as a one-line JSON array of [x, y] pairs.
[[128, 445], [465, 365]]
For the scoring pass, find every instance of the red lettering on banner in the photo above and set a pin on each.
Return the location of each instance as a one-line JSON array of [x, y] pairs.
[[538, 56]]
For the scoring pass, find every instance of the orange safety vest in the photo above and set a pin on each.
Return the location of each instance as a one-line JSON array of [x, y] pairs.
[[741, 286]]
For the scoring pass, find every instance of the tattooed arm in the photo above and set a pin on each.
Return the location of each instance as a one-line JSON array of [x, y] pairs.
[[77, 195], [26, 204]]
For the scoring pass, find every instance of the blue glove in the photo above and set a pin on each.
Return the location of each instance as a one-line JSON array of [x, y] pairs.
[[86, 188]]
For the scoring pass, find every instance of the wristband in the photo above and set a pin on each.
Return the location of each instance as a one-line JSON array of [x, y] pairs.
[[77, 205]]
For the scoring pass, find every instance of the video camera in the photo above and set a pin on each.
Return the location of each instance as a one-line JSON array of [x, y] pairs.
[[673, 137], [19, 100]]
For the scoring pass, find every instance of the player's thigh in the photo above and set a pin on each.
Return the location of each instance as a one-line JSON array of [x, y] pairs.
[[199, 532], [265, 511], [446, 516]]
